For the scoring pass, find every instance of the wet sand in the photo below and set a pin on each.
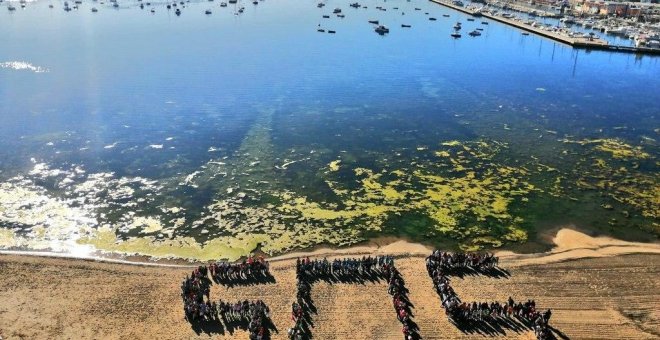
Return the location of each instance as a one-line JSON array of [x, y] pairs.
[[598, 288]]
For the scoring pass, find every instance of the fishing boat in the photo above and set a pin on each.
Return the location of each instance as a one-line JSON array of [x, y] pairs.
[[405, 26], [446, 15], [223, 4], [332, 32], [433, 19], [375, 22], [455, 35], [470, 19], [320, 30], [11, 8], [336, 10], [326, 16], [475, 33], [177, 12], [94, 10], [208, 12], [355, 5], [320, 5], [340, 16], [457, 26]]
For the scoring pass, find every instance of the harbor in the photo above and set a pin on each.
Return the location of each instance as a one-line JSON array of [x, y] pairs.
[[590, 42]]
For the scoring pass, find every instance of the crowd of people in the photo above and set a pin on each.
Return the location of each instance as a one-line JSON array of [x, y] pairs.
[[255, 313], [250, 268], [440, 265], [199, 307]]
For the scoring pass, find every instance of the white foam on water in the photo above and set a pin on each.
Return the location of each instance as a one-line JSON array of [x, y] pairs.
[[22, 65]]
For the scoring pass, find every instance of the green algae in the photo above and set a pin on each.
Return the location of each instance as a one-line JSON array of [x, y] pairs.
[[229, 248], [334, 165]]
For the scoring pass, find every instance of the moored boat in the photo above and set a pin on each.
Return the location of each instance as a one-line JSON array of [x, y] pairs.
[[382, 29]]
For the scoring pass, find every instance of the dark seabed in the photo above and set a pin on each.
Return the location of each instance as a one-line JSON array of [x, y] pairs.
[[212, 136]]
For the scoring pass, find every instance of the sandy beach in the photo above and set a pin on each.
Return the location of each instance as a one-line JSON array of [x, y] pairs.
[[598, 288]]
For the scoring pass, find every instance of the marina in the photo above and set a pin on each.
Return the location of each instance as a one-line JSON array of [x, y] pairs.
[[590, 43]]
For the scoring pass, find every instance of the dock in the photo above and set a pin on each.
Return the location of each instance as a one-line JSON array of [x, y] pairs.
[[583, 43]]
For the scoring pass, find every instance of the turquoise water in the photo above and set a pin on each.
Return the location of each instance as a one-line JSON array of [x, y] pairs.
[[124, 114]]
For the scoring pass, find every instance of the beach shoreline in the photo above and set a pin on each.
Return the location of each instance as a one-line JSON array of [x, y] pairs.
[[579, 279], [568, 243]]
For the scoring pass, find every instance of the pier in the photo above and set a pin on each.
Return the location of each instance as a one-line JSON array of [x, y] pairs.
[[583, 43]]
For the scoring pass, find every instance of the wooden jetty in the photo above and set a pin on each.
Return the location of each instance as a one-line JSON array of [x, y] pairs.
[[584, 43]]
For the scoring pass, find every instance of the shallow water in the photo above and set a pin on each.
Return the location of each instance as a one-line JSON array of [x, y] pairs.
[[213, 135]]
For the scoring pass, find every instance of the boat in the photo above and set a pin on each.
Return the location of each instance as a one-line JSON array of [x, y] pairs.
[[223, 4], [94, 10], [50, 6], [525, 33], [177, 12], [484, 22], [381, 29], [340, 16], [233, 1], [406, 26], [458, 3], [320, 5], [446, 15], [418, 9], [470, 19], [355, 5], [475, 33], [255, 2], [208, 12], [320, 30], [455, 35], [373, 22], [336, 10], [457, 27], [479, 29], [432, 19], [11, 8], [326, 16], [332, 32]]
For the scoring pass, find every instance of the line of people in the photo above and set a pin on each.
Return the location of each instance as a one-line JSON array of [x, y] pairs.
[[462, 260], [349, 267], [193, 290], [397, 289], [250, 268], [349, 270], [440, 266]]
